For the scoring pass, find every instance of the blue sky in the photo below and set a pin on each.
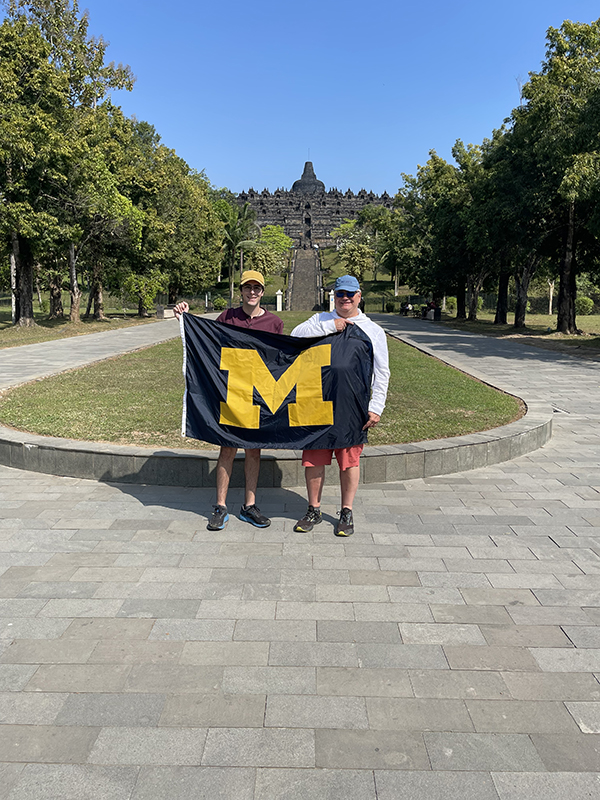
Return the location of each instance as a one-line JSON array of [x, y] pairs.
[[246, 90]]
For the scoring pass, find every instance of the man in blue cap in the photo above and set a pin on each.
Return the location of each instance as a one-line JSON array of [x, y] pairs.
[[347, 312]]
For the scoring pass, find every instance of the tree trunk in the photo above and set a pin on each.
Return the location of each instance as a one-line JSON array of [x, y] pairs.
[[142, 308], [98, 298], [522, 281], [56, 305], [550, 296], [14, 260], [501, 317], [25, 283], [88, 308], [461, 304], [566, 300], [173, 293], [73, 285]]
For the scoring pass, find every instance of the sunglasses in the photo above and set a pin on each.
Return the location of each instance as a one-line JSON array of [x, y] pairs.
[[345, 294]]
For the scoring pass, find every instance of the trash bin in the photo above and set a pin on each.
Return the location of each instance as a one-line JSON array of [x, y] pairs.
[[437, 314]]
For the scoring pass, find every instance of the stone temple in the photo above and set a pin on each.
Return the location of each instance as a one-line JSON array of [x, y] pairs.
[[308, 213]]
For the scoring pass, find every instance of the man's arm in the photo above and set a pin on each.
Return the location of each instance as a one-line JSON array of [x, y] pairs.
[[317, 325], [381, 371]]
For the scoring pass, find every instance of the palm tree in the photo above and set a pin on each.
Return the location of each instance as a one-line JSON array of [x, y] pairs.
[[239, 224]]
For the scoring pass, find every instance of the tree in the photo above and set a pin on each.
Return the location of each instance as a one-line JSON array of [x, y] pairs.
[[239, 228], [32, 138], [560, 122]]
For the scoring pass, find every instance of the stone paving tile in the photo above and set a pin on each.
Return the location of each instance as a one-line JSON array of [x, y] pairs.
[[78, 678], [46, 743], [74, 782], [303, 784], [583, 637], [173, 678], [200, 783], [393, 785], [52, 651], [586, 715], [111, 651], [275, 630], [159, 609], [110, 710], [552, 685], [510, 716], [525, 636], [494, 752], [9, 775], [492, 615], [242, 654], [253, 747], [14, 677], [314, 654], [18, 708], [351, 749], [269, 680], [95, 628], [359, 682], [564, 660], [459, 684], [214, 711], [310, 711], [193, 630], [542, 786], [418, 714], [494, 658], [439, 633], [403, 656], [148, 746], [392, 612], [562, 752], [334, 631]]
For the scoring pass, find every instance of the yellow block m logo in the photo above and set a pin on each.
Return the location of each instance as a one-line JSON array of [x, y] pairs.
[[247, 371]]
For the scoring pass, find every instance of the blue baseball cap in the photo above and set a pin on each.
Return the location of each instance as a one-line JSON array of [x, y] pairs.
[[347, 283]]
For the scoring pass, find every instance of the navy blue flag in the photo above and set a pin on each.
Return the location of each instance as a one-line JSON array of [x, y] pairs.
[[253, 389]]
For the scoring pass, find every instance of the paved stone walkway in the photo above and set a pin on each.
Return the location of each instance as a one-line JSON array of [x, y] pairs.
[[450, 649]]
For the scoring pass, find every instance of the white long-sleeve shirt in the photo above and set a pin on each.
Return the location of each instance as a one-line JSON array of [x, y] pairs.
[[323, 324]]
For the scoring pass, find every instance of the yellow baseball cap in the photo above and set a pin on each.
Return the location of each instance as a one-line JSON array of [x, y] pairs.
[[252, 275]]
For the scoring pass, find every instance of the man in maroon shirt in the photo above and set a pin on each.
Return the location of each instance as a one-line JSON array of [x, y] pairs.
[[248, 315]]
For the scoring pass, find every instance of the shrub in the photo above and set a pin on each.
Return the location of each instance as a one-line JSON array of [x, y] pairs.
[[389, 307], [451, 304], [583, 306], [219, 303]]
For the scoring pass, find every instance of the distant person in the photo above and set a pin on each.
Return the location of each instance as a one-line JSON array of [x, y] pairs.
[[250, 316]]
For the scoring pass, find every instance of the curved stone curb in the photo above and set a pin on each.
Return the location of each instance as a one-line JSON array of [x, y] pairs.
[[110, 462]]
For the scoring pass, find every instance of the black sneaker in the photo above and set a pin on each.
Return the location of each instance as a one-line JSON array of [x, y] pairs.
[[309, 520], [252, 515], [345, 524], [219, 519]]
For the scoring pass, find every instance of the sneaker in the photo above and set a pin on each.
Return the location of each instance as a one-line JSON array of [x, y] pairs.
[[252, 515], [309, 520], [219, 518], [345, 525]]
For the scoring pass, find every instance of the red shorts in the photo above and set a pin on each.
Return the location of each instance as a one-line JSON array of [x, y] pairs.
[[346, 457]]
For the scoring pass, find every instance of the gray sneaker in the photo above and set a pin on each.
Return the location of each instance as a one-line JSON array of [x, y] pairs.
[[309, 520], [252, 515], [219, 519], [345, 524]]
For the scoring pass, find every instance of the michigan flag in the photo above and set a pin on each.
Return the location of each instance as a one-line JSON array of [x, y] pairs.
[[253, 389]]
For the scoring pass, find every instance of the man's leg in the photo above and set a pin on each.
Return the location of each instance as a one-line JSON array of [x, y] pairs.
[[249, 512], [349, 479], [251, 470], [224, 468], [315, 479]]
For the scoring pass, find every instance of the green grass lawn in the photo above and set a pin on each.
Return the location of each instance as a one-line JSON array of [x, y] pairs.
[[538, 326], [47, 330], [137, 399]]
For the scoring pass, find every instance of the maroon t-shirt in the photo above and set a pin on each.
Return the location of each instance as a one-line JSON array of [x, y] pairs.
[[265, 322]]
